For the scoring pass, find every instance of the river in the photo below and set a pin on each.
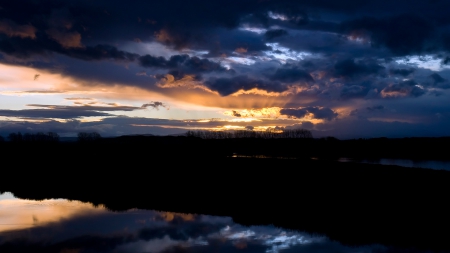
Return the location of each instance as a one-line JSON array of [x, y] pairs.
[[62, 226]]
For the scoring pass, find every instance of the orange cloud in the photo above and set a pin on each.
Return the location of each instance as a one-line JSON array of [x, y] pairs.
[[169, 216], [66, 39], [188, 81], [189, 93], [12, 29], [294, 89], [241, 50], [269, 113], [272, 112]]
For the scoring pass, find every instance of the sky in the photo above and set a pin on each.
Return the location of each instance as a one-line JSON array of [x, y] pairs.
[[348, 69]]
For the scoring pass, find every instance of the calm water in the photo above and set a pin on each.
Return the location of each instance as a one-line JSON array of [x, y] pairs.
[[426, 164], [62, 226]]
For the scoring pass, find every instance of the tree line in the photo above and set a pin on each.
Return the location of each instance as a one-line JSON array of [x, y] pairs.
[[48, 137], [291, 134], [33, 137], [238, 134]]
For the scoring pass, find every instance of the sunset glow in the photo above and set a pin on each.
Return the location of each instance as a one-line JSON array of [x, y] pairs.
[[289, 66]]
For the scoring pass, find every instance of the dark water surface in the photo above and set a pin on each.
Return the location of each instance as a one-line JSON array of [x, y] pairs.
[[425, 164], [61, 226]]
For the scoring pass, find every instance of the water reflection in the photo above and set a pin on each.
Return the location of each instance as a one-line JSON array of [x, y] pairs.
[[70, 226], [17, 214], [426, 164]]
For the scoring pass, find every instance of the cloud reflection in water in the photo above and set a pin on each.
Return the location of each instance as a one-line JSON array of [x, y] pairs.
[[72, 226]]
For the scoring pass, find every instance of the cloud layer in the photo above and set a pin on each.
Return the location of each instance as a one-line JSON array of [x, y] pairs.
[[324, 59]]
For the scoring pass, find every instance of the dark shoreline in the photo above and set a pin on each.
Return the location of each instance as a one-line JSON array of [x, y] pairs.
[[416, 148], [353, 203]]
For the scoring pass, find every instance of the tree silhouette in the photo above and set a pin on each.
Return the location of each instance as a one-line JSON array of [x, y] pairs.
[[87, 137], [54, 137], [270, 134], [41, 137], [36, 137], [15, 137]]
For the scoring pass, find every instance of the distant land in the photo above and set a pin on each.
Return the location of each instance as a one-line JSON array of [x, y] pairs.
[[247, 143]]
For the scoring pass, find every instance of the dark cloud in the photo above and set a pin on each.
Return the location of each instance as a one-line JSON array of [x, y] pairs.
[[375, 108], [354, 91], [106, 127], [292, 74], [26, 48], [24, 41], [180, 230], [236, 114], [297, 113], [402, 34], [446, 41], [402, 72], [100, 52], [446, 60], [439, 82], [52, 113], [224, 42], [106, 72], [318, 113], [403, 89], [195, 23], [437, 78], [190, 24], [155, 105], [350, 68], [68, 112], [111, 107], [181, 63], [303, 125], [228, 86], [275, 33], [12, 29], [161, 62], [436, 93]]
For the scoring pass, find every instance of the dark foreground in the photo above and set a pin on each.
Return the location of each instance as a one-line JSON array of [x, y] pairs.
[[353, 203]]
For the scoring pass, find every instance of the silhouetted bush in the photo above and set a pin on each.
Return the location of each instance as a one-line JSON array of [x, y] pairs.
[[37, 137], [88, 137], [271, 134]]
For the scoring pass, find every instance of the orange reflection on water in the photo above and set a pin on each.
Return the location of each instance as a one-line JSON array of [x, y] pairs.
[[16, 214]]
